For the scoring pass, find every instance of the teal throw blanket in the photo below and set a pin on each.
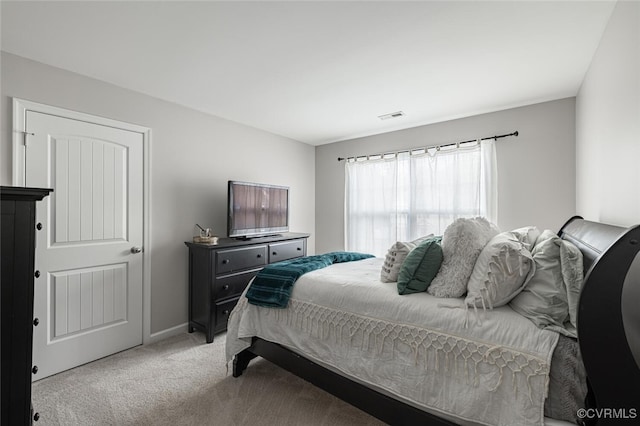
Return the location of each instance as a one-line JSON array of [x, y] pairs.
[[272, 286]]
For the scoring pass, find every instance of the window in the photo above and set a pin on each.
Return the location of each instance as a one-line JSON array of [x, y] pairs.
[[414, 194]]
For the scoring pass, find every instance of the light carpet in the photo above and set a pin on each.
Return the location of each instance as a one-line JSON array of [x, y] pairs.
[[184, 381]]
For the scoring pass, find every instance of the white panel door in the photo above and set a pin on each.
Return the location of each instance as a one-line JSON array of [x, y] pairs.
[[88, 296]]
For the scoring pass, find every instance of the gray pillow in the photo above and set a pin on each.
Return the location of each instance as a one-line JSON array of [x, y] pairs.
[[528, 235], [571, 263], [395, 256], [545, 299], [500, 273], [420, 266], [462, 243]]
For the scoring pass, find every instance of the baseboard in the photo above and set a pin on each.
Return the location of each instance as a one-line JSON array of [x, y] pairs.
[[161, 335]]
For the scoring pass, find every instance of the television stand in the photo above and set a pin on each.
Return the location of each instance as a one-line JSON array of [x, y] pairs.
[[253, 237], [219, 273]]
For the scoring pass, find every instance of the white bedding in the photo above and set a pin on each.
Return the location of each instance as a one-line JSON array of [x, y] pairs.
[[416, 346]]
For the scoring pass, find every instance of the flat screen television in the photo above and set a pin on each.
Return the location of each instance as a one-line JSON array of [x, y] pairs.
[[256, 210]]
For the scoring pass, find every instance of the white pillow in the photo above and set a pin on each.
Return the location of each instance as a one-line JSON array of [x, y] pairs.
[[528, 235], [462, 243], [502, 270], [396, 255], [571, 263], [545, 298]]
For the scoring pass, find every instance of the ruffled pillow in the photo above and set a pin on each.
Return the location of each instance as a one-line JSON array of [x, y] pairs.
[[550, 298], [462, 243], [571, 263], [501, 272], [396, 255], [528, 235]]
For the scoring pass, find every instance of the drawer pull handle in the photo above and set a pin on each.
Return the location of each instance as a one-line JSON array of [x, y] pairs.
[[275, 253], [34, 370], [225, 287], [225, 261], [259, 256], [299, 248]]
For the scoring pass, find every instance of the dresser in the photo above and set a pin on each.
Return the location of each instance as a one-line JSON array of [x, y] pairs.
[[219, 273], [19, 229]]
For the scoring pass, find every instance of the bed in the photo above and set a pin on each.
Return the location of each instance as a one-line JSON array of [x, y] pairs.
[[432, 366]]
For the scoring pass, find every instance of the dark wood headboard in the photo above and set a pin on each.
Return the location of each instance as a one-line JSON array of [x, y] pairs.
[[609, 315]]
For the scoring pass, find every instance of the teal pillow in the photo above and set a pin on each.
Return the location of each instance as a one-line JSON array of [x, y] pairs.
[[420, 266]]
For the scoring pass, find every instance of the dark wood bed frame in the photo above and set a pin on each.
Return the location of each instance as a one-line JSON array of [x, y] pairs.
[[608, 335]]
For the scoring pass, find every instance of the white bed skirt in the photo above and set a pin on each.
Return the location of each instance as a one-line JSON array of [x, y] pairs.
[[416, 347]]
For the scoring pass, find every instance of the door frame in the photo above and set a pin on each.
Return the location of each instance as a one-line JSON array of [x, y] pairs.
[[20, 108]]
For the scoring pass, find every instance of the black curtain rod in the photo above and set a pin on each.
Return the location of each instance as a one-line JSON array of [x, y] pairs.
[[496, 137]]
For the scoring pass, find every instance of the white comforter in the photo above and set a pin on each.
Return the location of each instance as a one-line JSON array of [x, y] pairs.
[[486, 368]]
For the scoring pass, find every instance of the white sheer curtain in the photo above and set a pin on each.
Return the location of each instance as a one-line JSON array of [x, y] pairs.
[[411, 195]]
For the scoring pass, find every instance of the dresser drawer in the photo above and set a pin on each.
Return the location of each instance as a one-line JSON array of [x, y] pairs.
[[223, 309], [286, 250], [242, 258], [232, 285]]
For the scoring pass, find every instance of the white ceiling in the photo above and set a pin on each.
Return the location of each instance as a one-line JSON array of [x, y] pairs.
[[320, 72]]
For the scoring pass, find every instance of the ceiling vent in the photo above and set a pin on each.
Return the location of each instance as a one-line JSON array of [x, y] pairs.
[[391, 115]]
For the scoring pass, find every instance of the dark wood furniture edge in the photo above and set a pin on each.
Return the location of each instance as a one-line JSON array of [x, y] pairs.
[[608, 257], [18, 218], [379, 405], [240, 242], [19, 193], [613, 372]]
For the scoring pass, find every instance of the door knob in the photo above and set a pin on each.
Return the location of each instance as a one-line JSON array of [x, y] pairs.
[[136, 250]]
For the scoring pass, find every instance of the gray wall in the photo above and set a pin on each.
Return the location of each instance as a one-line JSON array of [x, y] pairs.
[[192, 157], [536, 170], [608, 124]]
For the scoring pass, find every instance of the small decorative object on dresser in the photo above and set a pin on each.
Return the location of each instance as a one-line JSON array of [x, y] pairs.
[[204, 236], [219, 273]]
